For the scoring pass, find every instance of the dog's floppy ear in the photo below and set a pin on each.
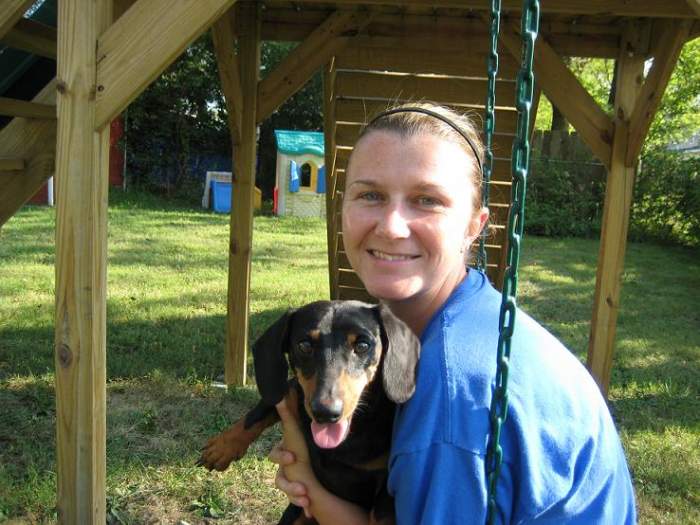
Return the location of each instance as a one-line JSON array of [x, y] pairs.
[[271, 368], [401, 351]]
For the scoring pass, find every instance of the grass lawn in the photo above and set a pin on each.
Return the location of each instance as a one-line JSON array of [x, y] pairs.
[[166, 311]]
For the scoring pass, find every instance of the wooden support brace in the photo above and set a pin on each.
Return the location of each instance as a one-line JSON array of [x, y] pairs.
[[33, 37], [21, 108], [82, 171], [304, 60], [562, 87], [33, 140], [11, 13], [229, 72], [142, 43], [616, 211], [674, 35], [242, 199], [695, 6]]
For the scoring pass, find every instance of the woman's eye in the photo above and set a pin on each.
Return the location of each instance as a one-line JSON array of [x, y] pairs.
[[371, 196], [305, 347], [362, 347], [429, 202]]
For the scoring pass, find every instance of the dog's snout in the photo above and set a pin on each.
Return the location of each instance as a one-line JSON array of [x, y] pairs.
[[326, 409]]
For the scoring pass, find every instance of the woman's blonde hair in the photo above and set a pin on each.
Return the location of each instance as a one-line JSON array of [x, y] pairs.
[[407, 120]]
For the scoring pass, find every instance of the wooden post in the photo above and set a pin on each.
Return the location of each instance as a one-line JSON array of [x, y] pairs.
[[331, 179], [82, 167], [616, 211], [242, 200]]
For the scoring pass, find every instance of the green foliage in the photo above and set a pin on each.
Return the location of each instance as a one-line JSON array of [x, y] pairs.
[[564, 199], [179, 116], [178, 127], [666, 204], [678, 117]]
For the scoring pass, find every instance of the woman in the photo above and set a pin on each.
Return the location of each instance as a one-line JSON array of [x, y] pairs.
[[411, 211]]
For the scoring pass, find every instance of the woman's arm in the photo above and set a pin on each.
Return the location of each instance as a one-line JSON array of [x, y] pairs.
[[297, 479]]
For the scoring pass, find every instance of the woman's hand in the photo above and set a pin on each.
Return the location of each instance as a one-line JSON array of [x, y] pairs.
[[295, 476]]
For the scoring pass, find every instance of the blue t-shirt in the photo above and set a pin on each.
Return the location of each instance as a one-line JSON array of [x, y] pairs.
[[562, 458]]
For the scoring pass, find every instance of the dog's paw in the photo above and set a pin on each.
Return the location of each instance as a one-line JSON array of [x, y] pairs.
[[221, 450]]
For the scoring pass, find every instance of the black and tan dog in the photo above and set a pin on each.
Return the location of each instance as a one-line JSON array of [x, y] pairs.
[[351, 362]]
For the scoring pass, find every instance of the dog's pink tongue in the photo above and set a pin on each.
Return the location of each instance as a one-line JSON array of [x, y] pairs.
[[329, 435]]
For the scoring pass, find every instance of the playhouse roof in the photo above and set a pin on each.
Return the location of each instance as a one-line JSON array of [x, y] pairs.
[[299, 142]]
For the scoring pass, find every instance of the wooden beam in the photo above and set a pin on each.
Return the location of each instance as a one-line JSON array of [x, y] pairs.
[[21, 108], [82, 171], [223, 39], [33, 140], [562, 87], [616, 210], [424, 61], [11, 165], [11, 13], [32, 37], [674, 35], [446, 90], [305, 59], [637, 8], [142, 43], [242, 200]]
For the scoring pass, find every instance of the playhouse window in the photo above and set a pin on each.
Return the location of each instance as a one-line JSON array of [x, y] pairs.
[[306, 175]]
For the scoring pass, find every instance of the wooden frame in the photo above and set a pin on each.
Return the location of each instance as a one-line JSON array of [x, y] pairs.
[[82, 168], [241, 236]]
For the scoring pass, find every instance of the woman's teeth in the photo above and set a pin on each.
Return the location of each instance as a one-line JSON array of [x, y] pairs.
[[390, 257]]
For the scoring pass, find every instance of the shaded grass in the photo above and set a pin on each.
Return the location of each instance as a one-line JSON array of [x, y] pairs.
[[166, 331]]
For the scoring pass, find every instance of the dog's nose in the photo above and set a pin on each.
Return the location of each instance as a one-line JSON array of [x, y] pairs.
[[327, 410]]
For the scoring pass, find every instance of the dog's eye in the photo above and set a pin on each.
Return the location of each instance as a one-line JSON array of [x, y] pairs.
[[362, 347], [304, 347]]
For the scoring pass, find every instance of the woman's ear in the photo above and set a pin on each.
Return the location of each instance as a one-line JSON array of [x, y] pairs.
[[477, 224]]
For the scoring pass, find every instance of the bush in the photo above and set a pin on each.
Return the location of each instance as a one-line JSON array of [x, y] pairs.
[[564, 199], [666, 205]]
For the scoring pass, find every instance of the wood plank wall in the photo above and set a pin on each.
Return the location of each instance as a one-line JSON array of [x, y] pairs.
[[367, 78]]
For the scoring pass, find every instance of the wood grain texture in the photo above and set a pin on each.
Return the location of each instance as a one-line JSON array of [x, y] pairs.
[[82, 165], [229, 72], [11, 13], [616, 210], [33, 141], [142, 43], [241, 239]]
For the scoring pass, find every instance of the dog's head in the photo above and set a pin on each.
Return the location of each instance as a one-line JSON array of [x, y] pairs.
[[336, 349]]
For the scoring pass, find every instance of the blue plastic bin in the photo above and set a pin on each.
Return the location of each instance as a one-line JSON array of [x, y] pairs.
[[221, 193]]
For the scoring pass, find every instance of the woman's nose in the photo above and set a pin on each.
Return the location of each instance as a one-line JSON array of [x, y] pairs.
[[393, 223]]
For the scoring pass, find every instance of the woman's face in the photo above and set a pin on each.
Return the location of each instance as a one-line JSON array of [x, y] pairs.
[[408, 217]]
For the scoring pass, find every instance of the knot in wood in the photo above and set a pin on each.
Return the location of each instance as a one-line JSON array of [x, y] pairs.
[[61, 86], [65, 356]]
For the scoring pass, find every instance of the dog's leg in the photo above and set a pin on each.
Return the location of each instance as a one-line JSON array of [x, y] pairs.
[[232, 444]]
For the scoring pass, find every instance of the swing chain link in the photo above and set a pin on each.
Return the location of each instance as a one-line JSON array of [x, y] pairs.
[[489, 124], [516, 221]]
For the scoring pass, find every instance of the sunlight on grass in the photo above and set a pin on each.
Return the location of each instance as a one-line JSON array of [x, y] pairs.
[[166, 304]]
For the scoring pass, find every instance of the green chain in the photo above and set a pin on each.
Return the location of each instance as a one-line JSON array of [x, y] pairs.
[[516, 221], [489, 122]]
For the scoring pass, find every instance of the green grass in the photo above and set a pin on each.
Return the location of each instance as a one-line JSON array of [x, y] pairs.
[[166, 316]]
